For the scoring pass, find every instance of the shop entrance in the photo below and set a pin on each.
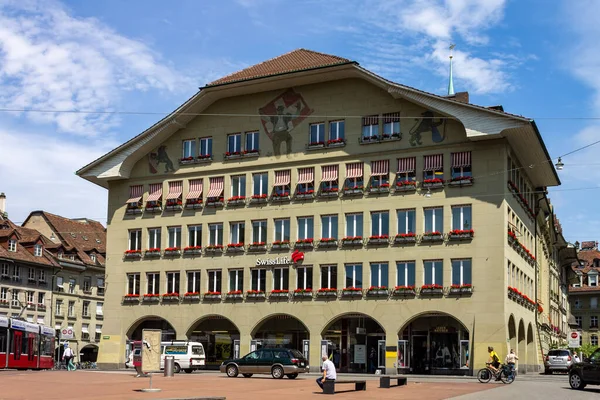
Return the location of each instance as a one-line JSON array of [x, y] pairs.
[[281, 330], [168, 332], [219, 336], [354, 343]]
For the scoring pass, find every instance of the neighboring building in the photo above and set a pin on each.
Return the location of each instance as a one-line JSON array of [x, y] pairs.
[[584, 294], [79, 250], [398, 201]]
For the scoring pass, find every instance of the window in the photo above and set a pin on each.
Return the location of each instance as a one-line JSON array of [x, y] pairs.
[[85, 331], [206, 147], [461, 165], [329, 277], [592, 280], [194, 235], [329, 227], [406, 171], [434, 219], [370, 127], [433, 167], [304, 277], [193, 282], [172, 282], [100, 286], [461, 272], [135, 239], [31, 274], [93, 258], [37, 250], [189, 149], [578, 320], [354, 276], [336, 131], [282, 230], [461, 217], [154, 238], [214, 281], [234, 143], [380, 174], [236, 280], [41, 298], [238, 186], [594, 340], [215, 234], [259, 231], [71, 309], [87, 284], [380, 223], [305, 228], [153, 280], [329, 178], [85, 311], [260, 184], [379, 274], [594, 321], [98, 333], [30, 297], [4, 294], [433, 273], [391, 124], [174, 233], [354, 225], [59, 283], [252, 142], [16, 272], [317, 134], [99, 309], [237, 232], [407, 221], [281, 278], [259, 277], [306, 179], [593, 302], [281, 188], [58, 307], [72, 283], [4, 270], [405, 273], [12, 245]]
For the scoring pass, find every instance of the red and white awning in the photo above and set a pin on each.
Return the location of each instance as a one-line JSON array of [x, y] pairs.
[[406, 165], [216, 186], [329, 173], [175, 190], [380, 167], [283, 178], [306, 175], [195, 191], [354, 170], [135, 193], [433, 162], [370, 120], [462, 159], [391, 117], [155, 192]]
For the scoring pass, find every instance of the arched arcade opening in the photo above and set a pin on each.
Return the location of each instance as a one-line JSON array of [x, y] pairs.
[[280, 330], [512, 333], [89, 353], [522, 347], [219, 336], [152, 322], [531, 362]]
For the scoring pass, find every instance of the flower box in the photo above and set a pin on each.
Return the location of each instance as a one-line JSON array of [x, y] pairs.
[[214, 249], [316, 145], [377, 291], [379, 240], [133, 210], [128, 298], [187, 160], [279, 294], [235, 295], [405, 186], [204, 158], [192, 250], [41, 307], [352, 241], [404, 238], [431, 290], [236, 201], [235, 248], [153, 209], [459, 234], [214, 202], [394, 136], [133, 254], [327, 293], [329, 193], [152, 298], [255, 295], [257, 247], [328, 243], [305, 195], [379, 189], [4, 303], [152, 253], [281, 197], [304, 244], [191, 296], [250, 153], [353, 191], [193, 204], [336, 143], [432, 237], [172, 252], [352, 292], [232, 156], [432, 183], [280, 246], [212, 296], [303, 293], [258, 198], [368, 139], [404, 291], [461, 181], [171, 297]]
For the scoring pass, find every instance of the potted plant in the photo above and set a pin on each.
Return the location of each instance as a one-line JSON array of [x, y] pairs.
[[154, 206], [133, 254], [255, 294], [236, 201], [214, 248], [280, 244], [404, 291], [170, 296], [304, 243], [316, 145], [235, 247], [377, 291], [352, 292], [193, 204], [328, 242], [134, 208], [229, 155], [281, 196], [153, 252], [303, 293], [433, 289], [461, 234], [172, 251], [235, 294], [405, 186], [192, 250], [352, 241], [432, 236], [210, 295], [186, 160], [379, 239], [174, 204], [152, 297], [258, 198], [257, 246], [329, 192], [251, 153], [409, 237], [352, 190], [191, 296], [381, 188], [214, 201], [327, 292], [279, 293], [432, 183], [336, 143], [305, 194], [461, 181], [131, 298]]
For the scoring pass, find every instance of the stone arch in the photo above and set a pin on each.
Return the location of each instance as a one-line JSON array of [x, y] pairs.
[[208, 317], [512, 333], [220, 337], [151, 322], [432, 313], [531, 363], [259, 324], [88, 353], [522, 349]]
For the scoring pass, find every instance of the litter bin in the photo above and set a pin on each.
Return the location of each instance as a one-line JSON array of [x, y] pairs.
[[169, 366]]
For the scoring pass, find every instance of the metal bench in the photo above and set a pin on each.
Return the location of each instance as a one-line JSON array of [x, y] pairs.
[[384, 381], [329, 386]]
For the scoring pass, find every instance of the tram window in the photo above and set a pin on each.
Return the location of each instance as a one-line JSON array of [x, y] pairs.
[[25, 345], [3, 341]]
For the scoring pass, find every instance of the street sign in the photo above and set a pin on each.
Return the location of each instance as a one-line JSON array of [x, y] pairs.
[[574, 339], [67, 333]]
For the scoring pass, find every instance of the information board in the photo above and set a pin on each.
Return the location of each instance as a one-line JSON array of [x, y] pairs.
[[360, 354], [151, 350]]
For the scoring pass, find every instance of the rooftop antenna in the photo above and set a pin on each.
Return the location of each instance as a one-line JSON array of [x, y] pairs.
[[451, 82]]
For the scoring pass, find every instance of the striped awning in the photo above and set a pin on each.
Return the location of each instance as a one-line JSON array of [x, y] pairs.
[[329, 173], [380, 167], [433, 162], [216, 186], [391, 117], [155, 192], [175, 190], [195, 189], [283, 178], [84, 328], [462, 159], [135, 193], [306, 175], [370, 120], [406, 165], [354, 170]]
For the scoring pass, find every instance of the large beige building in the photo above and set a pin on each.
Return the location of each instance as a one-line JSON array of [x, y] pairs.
[[420, 238]]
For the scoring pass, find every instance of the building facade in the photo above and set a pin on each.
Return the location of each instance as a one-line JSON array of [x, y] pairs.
[[585, 291], [306, 202]]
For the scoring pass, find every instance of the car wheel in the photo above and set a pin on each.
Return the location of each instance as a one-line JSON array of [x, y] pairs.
[[247, 375], [277, 372], [188, 371], [576, 382], [232, 371], [292, 376], [176, 368]]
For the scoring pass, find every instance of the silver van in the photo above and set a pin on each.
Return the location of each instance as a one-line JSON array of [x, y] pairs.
[[558, 360], [189, 356]]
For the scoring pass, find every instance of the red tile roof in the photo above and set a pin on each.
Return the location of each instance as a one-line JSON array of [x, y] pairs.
[[26, 238], [294, 61]]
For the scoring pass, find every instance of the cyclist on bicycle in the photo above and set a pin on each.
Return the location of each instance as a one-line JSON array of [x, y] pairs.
[[494, 361]]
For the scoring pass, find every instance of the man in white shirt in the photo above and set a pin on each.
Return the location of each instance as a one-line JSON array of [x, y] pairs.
[[328, 372], [68, 356]]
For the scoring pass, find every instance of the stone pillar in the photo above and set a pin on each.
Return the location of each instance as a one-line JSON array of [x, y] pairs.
[[391, 354], [315, 351]]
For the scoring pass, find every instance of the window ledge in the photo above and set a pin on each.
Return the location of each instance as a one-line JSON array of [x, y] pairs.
[[193, 206], [196, 160], [405, 188], [461, 182]]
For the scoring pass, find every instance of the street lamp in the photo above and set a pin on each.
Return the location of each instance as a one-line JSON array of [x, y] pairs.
[[559, 164]]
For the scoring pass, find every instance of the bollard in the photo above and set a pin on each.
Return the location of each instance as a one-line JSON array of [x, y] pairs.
[[169, 366]]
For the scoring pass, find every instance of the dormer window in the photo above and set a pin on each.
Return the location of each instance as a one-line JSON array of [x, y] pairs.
[[93, 257], [37, 250], [12, 245], [60, 255], [593, 279]]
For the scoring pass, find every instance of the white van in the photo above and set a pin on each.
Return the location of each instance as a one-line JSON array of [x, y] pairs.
[[188, 355]]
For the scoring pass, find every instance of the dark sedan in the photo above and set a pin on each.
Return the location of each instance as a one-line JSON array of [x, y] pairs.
[[277, 362], [586, 372]]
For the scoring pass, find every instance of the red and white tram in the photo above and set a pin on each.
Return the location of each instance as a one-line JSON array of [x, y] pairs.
[[24, 345]]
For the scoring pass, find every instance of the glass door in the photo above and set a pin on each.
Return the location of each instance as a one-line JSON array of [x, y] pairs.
[[236, 349], [402, 354], [324, 350], [381, 355], [464, 354], [306, 349], [255, 345]]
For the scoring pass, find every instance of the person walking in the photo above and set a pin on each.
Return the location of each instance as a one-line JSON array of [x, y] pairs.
[[511, 360], [68, 356], [329, 373]]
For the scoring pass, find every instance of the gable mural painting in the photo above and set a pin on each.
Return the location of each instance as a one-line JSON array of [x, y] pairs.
[[427, 123], [280, 116], [157, 157]]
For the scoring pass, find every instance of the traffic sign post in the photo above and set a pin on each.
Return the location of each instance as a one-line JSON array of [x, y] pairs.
[[67, 333], [574, 339]]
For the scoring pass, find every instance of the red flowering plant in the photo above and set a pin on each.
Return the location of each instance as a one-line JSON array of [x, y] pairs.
[[173, 202], [354, 187], [133, 251], [379, 237], [190, 294], [351, 238], [153, 250], [132, 295], [232, 153], [211, 293], [330, 190], [309, 191], [277, 291], [352, 289], [251, 151], [235, 245], [334, 141], [512, 234], [382, 185], [174, 294], [327, 290], [405, 183], [190, 248], [432, 286], [259, 196], [257, 244], [540, 309], [236, 198], [307, 290], [307, 240], [328, 240], [462, 232], [433, 233], [434, 180], [281, 194], [204, 156], [462, 178], [406, 235], [214, 247], [234, 292], [256, 292], [186, 159], [404, 288], [377, 288], [319, 143], [281, 242], [172, 249], [193, 201], [151, 295]]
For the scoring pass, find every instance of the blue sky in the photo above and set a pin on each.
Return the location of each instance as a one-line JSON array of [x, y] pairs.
[[536, 58]]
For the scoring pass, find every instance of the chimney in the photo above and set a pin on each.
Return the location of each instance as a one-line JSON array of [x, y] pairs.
[[3, 205]]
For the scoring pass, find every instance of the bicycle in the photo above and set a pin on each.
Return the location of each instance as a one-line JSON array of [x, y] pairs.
[[504, 373], [59, 366]]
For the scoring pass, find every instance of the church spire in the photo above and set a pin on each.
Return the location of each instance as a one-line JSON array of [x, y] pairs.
[[451, 81]]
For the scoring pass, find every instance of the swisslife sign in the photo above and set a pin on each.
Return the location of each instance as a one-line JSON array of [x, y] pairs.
[[295, 258]]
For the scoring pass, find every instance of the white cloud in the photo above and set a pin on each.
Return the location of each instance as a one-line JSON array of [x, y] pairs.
[[52, 60]]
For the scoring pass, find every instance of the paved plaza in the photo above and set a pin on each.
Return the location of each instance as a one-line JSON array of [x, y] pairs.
[[50, 385]]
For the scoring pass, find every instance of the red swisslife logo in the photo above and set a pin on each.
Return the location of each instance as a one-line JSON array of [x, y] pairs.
[[297, 256]]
